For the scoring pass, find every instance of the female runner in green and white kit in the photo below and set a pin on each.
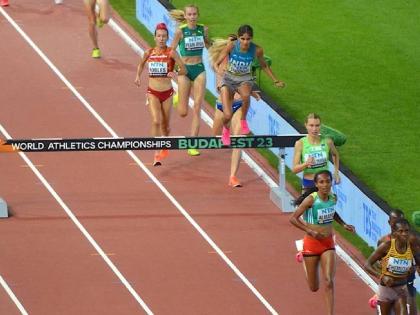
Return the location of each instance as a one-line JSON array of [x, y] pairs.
[[312, 153]]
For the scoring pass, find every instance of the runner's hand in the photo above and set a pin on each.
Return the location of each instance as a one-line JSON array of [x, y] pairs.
[[316, 234], [279, 83], [337, 178]]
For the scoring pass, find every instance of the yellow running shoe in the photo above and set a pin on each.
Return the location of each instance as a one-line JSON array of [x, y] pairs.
[[96, 53], [193, 152], [175, 100]]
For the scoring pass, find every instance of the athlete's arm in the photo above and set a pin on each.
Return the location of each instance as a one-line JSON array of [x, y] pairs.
[[225, 52], [177, 38], [207, 40], [336, 160], [376, 256], [297, 166], [295, 218], [260, 55], [140, 67], [179, 62], [340, 221]]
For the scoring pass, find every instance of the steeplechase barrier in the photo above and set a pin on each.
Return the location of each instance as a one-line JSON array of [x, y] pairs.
[[278, 195]]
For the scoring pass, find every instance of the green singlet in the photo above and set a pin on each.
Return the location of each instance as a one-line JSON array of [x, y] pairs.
[[320, 152], [192, 42], [321, 212]]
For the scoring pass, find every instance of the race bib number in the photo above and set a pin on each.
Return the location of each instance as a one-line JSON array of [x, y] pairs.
[[398, 266], [320, 158], [194, 42], [326, 215], [158, 68]]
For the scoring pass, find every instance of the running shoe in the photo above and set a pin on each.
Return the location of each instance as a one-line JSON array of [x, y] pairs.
[[234, 182], [96, 53], [193, 152], [4, 3], [244, 127], [157, 159], [226, 136], [373, 301], [175, 100], [58, 1]]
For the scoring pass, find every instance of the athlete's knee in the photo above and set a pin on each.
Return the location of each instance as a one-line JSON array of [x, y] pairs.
[[227, 116]]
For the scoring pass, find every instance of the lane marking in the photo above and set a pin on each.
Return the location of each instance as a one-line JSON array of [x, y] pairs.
[[143, 167], [80, 226], [13, 296], [225, 251], [252, 164], [97, 254], [36, 165], [76, 87], [48, 186]]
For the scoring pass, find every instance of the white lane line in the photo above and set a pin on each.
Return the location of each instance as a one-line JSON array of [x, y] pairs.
[[52, 191], [82, 229], [13, 296], [143, 167], [252, 164]]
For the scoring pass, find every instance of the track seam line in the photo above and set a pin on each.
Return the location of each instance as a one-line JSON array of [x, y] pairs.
[[142, 166], [13, 296], [252, 164], [49, 187]]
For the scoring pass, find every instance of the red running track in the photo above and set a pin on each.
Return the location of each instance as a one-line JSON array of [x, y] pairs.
[[48, 262]]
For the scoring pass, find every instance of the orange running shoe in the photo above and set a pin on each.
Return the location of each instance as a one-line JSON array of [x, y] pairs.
[[234, 182]]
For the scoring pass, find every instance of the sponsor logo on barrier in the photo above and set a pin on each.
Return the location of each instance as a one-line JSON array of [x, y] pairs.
[[251, 114], [145, 10], [341, 197], [371, 229], [273, 126]]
